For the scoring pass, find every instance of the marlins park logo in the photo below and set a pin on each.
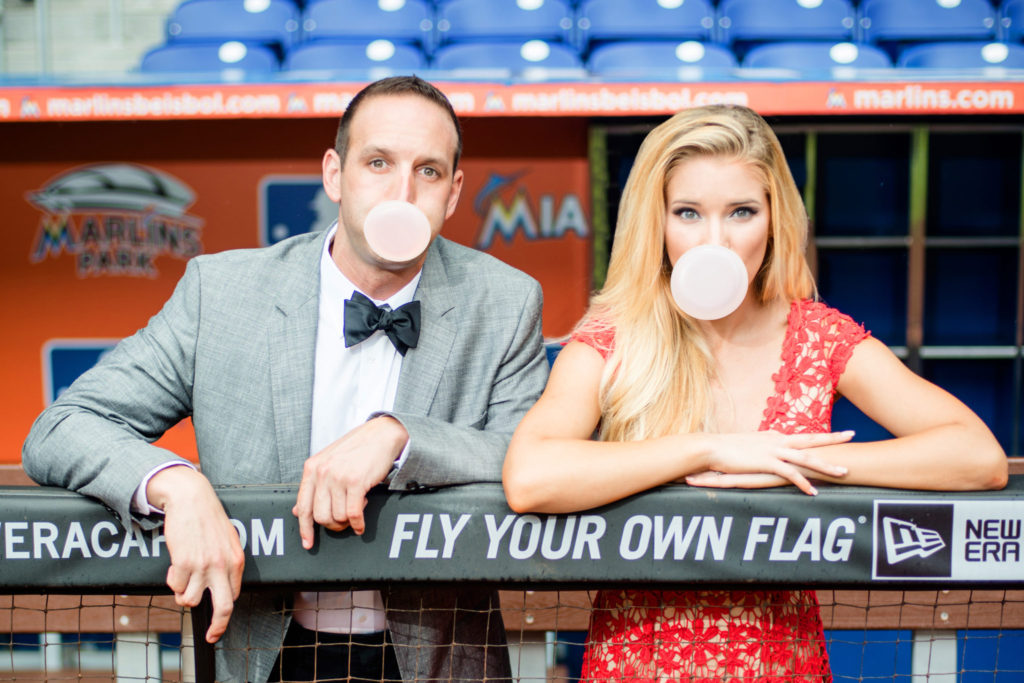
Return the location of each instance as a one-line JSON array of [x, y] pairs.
[[912, 540], [115, 219]]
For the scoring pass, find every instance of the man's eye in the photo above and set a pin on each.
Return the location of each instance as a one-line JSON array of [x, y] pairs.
[[377, 163]]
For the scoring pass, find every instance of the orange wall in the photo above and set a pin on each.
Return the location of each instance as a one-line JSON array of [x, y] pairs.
[[542, 161]]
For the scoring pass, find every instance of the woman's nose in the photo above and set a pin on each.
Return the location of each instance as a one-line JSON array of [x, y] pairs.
[[715, 233]]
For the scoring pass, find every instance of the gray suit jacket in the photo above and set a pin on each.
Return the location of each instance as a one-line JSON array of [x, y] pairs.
[[233, 348]]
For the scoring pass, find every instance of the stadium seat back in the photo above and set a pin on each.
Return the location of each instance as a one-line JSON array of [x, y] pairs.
[[604, 20], [659, 60], [534, 59], [963, 55], [816, 56], [926, 20], [504, 20], [410, 21], [232, 59], [777, 20], [272, 22], [1011, 20], [375, 58]]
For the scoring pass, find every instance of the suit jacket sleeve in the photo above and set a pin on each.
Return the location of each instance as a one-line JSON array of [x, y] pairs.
[[444, 451], [96, 438]]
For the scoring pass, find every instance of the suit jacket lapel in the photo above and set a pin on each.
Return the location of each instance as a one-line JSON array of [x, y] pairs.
[[292, 348], [423, 366]]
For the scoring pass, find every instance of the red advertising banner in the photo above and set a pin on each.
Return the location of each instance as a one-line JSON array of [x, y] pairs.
[[94, 249], [305, 100]]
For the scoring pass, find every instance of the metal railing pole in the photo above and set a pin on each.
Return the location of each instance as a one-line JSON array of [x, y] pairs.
[[202, 614]]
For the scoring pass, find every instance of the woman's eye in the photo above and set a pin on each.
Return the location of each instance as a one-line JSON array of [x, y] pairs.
[[687, 214], [744, 212]]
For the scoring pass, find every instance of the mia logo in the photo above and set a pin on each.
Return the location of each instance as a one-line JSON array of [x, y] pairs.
[[912, 540], [905, 539], [115, 219], [549, 217]]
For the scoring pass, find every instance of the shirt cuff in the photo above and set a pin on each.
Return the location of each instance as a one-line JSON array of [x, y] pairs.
[[140, 503], [400, 460]]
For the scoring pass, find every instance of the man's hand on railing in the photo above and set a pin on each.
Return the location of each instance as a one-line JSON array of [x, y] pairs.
[[336, 480], [204, 547]]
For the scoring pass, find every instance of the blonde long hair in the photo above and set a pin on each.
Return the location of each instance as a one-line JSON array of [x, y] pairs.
[[657, 379]]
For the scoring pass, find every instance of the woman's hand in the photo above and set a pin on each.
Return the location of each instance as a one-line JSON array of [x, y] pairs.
[[763, 459]]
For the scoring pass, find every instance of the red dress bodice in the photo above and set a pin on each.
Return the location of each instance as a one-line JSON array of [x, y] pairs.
[[708, 635]]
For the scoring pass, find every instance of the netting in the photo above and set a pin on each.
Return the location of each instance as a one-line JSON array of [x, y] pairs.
[[870, 635], [93, 638]]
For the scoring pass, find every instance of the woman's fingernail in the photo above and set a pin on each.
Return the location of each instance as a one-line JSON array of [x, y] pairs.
[[814, 491], [848, 432], [841, 470]]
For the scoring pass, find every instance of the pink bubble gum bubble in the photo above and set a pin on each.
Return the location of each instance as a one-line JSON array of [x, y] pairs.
[[397, 231], [709, 282]]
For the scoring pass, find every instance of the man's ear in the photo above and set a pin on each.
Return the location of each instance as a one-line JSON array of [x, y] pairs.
[[453, 195], [332, 175]]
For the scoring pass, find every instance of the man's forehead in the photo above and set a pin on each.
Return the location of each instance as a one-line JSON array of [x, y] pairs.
[[408, 105], [380, 115]]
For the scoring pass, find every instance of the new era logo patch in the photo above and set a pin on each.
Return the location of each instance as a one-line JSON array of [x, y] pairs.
[[905, 539], [912, 540]]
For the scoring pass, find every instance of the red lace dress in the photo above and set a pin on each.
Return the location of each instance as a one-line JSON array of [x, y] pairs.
[[712, 635]]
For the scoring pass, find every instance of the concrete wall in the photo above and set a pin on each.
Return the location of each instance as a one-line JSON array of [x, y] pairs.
[[82, 37]]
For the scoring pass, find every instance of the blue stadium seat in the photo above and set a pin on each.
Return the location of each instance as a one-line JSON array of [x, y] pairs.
[[902, 21], [1011, 20], [270, 22], [604, 20], [963, 55], [532, 60], [501, 20], [231, 60], [409, 21], [658, 60], [743, 23], [809, 57], [377, 58]]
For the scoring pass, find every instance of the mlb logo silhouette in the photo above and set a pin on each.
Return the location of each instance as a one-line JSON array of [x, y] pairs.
[[913, 540], [65, 359], [291, 205]]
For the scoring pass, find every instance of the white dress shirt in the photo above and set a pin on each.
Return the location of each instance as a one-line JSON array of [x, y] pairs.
[[350, 385]]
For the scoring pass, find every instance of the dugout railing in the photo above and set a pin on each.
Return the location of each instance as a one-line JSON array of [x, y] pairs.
[[935, 565]]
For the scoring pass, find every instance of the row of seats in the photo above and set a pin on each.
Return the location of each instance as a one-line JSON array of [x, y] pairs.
[[282, 23], [538, 60], [578, 3]]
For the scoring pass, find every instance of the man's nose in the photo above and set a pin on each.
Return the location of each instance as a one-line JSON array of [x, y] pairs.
[[406, 190]]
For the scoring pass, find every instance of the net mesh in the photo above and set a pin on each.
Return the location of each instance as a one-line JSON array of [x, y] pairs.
[[871, 635]]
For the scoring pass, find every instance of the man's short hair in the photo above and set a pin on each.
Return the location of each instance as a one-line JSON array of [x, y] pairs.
[[397, 85]]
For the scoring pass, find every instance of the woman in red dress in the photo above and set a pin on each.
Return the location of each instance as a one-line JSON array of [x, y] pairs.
[[744, 400]]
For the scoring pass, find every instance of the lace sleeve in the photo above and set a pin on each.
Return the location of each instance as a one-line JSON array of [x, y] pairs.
[[841, 335], [596, 334]]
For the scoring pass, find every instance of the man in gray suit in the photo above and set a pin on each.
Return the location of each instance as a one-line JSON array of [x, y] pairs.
[[261, 349]]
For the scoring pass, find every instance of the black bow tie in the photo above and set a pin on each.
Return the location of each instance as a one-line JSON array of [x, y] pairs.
[[363, 318]]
